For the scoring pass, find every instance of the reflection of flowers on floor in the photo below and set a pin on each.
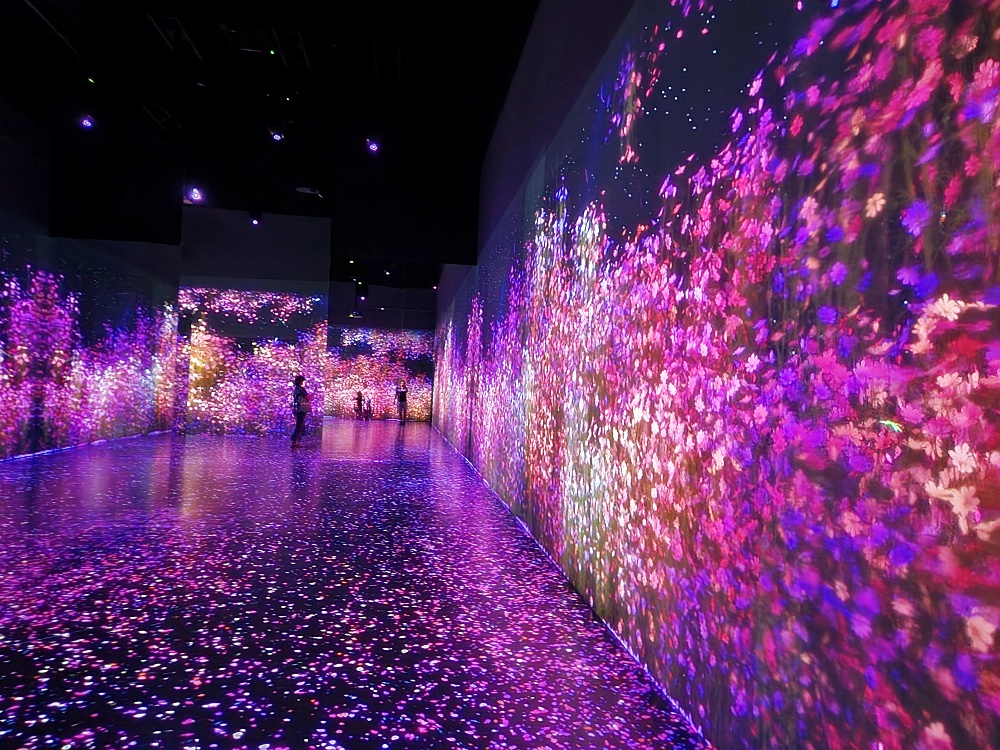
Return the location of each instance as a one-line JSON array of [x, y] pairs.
[[765, 440]]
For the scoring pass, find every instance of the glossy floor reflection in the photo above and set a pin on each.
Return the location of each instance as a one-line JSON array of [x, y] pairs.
[[364, 591]]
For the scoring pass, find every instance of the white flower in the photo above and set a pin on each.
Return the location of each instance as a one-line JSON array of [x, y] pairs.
[[980, 632], [963, 459], [963, 500], [852, 523], [875, 205], [949, 380], [946, 308], [903, 607], [936, 737]]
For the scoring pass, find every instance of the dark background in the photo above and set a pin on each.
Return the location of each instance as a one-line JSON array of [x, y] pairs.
[[188, 95]]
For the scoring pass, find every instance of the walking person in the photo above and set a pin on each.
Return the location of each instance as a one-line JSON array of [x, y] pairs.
[[300, 408], [359, 406]]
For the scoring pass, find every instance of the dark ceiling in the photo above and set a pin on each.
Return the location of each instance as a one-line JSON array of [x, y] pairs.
[[187, 94]]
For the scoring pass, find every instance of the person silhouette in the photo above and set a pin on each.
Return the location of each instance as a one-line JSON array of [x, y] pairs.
[[300, 408], [401, 402]]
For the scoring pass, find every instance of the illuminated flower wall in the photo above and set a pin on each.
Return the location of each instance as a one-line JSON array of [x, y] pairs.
[[373, 361], [59, 388], [761, 433], [243, 384]]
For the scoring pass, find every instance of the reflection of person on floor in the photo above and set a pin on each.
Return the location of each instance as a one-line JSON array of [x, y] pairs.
[[401, 402], [359, 406], [300, 408]]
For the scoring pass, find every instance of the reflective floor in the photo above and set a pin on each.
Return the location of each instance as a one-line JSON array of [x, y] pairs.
[[363, 591]]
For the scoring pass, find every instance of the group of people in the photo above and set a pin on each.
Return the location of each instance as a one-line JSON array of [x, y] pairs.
[[301, 406], [363, 406]]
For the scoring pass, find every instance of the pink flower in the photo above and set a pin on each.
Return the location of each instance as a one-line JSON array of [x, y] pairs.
[[972, 165], [986, 76], [953, 192], [929, 41]]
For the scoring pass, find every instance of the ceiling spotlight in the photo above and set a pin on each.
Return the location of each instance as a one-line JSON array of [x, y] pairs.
[[255, 222], [277, 135], [255, 218], [87, 122], [372, 145], [354, 314], [195, 196]]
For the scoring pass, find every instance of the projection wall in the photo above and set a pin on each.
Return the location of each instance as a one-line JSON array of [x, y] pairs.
[[748, 398], [243, 348], [373, 361], [88, 343]]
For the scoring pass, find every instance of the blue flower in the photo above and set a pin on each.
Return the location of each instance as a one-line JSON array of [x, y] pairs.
[[926, 286], [778, 283]]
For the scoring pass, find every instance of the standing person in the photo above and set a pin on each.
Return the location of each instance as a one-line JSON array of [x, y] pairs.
[[359, 406], [401, 401], [300, 407]]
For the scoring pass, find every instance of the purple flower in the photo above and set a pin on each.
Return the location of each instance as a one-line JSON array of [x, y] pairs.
[[916, 217], [845, 346], [827, 315], [838, 273]]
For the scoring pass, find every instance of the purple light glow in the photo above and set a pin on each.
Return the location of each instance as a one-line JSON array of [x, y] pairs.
[[87, 122], [372, 145]]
